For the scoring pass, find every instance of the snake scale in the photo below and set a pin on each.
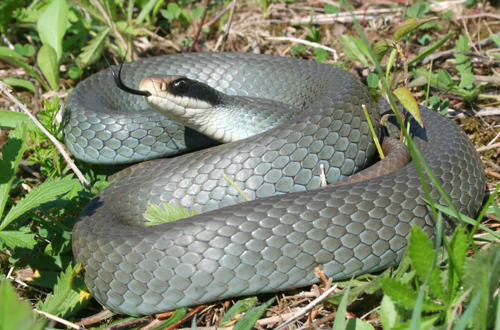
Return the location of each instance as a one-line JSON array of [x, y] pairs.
[[274, 242]]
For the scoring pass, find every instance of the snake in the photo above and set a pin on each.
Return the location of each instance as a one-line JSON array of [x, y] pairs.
[[291, 225]]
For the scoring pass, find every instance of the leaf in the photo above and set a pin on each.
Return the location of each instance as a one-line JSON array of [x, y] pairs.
[[351, 49], [156, 215], [382, 47], [459, 247], [7, 53], [45, 192], [145, 11], [320, 55], [388, 312], [14, 57], [409, 26], [339, 323], [25, 50], [467, 80], [198, 12], [14, 313], [14, 239], [19, 82], [9, 119], [66, 299], [402, 294], [409, 102], [431, 49], [331, 9], [444, 78], [372, 80], [421, 252], [52, 26], [496, 39], [11, 156], [241, 306], [248, 320], [92, 51], [466, 317], [358, 324], [47, 61]]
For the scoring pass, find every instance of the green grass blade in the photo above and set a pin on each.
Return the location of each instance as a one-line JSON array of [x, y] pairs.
[[248, 320], [464, 321], [339, 323]]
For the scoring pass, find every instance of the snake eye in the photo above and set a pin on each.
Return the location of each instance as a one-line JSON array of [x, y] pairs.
[[181, 86]]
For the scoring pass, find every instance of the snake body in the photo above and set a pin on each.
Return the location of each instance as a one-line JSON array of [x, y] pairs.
[[274, 242]]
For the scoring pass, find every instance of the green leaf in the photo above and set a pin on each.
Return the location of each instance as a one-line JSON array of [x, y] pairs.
[[66, 299], [14, 239], [409, 26], [156, 215], [372, 80], [198, 12], [92, 51], [15, 313], [382, 47], [406, 98], [241, 306], [19, 82], [45, 192], [52, 26], [339, 323], [358, 324], [388, 313], [25, 50], [47, 61], [331, 9], [496, 39], [431, 49], [351, 49], [444, 78], [466, 80], [459, 247], [11, 156], [321, 55], [7, 8], [145, 11], [421, 252], [9, 119], [248, 320], [15, 58], [404, 295], [467, 316], [74, 72]]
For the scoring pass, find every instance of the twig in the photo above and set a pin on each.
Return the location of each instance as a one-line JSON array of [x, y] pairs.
[[308, 43], [154, 35], [58, 145], [308, 307], [228, 25], [319, 322], [217, 17], [200, 26], [484, 148], [94, 318], [60, 320]]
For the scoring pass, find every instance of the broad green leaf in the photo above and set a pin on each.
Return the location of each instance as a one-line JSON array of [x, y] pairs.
[[339, 323], [124, 27], [459, 247], [19, 82], [434, 102], [358, 324], [409, 26], [406, 98], [241, 306], [9, 162], [402, 294], [496, 39], [48, 262], [467, 80], [9, 119], [320, 55], [198, 12], [14, 239], [52, 26], [351, 49], [418, 81], [372, 80], [66, 298], [156, 215], [248, 320], [426, 322], [47, 61], [421, 252], [382, 47], [331, 9], [14, 313], [92, 51], [25, 50], [45, 192], [444, 78], [6, 52], [388, 312]]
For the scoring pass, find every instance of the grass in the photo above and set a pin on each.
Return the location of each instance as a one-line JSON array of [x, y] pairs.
[[453, 287]]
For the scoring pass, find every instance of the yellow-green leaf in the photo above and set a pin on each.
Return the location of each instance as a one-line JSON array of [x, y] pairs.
[[409, 26], [382, 47], [408, 101]]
